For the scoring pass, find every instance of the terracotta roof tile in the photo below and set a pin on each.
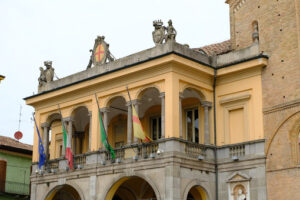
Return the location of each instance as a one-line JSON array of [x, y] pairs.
[[10, 142], [216, 49]]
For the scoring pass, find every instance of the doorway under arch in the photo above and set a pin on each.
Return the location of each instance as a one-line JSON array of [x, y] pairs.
[[197, 193], [64, 192], [131, 188]]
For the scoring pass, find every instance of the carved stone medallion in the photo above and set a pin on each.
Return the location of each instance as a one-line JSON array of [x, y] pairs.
[[99, 51], [159, 32]]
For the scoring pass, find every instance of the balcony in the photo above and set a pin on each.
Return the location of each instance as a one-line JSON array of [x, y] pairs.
[[162, 148]]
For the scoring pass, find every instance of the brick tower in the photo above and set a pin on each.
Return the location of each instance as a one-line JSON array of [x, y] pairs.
[[276, 26]]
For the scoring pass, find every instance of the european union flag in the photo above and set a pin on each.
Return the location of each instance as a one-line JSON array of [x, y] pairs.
[[42, 155]]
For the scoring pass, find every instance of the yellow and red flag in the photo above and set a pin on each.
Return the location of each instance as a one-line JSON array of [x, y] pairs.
[[138, 130]]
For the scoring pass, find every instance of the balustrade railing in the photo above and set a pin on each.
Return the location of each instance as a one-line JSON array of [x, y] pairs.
[[79, 160], [237, 150], [195, 150], [119, 153], [53, 164], [145, 150], [153, 149]]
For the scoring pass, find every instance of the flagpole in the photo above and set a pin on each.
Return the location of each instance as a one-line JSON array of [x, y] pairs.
[[67, 143], [111, 150], [42, 159], [131, 106], [63, 124], [100, 113]]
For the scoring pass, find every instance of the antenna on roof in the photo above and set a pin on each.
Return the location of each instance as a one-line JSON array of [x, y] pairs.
[[18, 135]]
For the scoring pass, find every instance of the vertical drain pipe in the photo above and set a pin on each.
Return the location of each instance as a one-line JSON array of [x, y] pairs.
[[215, 135]]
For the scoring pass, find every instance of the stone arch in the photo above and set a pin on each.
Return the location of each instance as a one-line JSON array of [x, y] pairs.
[[117, 182], [73, 110], [277, 130], [80, 130], [196, 91], [294, 134], [205, 195], [143, 89], [55, 188], [109, 100], [53, 117]]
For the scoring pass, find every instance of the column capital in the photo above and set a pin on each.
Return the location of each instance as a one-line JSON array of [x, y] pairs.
[[181, 96], [136, 102], [45, 124], [162, 94], [128, 103], [68, 119], [206, 104], [105, 109]]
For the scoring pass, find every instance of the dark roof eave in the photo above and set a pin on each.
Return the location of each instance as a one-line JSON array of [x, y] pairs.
[[14, 149]]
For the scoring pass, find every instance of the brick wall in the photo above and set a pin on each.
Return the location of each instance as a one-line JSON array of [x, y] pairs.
[[279, 25]]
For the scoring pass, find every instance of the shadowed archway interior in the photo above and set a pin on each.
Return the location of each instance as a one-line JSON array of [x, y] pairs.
[[65, 192], [197, 193], [134, 188]]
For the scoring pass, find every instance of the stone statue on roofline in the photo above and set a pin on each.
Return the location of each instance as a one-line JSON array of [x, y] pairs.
[[171, 32], [100, 53], [46, 75], [162, 33]]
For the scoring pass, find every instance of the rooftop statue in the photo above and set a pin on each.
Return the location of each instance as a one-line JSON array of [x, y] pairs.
[[46, 75], [100, 53], [171, 32], [159, 32], [162, 33]]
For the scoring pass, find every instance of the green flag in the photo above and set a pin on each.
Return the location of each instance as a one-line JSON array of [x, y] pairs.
[[103, 134], [104, 137]]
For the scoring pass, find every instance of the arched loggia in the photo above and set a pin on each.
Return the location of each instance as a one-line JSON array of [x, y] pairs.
[[131, 188], [63, 192]]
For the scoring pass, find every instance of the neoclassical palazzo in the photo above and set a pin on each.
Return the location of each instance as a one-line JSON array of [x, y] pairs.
[[203, 118]]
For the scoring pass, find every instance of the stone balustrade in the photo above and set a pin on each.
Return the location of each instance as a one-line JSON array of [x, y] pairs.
[[160, 149]]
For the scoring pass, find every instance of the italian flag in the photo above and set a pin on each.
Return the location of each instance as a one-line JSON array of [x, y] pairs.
[[104, 137], [138, 130], [69, 155]]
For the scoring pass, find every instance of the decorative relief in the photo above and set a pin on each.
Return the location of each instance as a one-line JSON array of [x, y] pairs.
[[238, 186]]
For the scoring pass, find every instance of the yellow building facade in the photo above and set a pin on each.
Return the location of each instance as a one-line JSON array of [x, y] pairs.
[[223, 118], [182, 84]]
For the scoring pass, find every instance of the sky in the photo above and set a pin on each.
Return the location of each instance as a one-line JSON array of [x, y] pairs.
[[63, 31]]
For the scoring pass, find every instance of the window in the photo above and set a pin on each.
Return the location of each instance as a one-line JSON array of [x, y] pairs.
[[60, 150], [155, 123], [192, 125]]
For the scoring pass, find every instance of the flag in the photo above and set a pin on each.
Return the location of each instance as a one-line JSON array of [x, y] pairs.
[[104, 137], [138, 130], [42, 155], [103, 133], [69, 155], [67, 145]]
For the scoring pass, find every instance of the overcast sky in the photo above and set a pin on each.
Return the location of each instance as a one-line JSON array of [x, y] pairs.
[[33, 31]]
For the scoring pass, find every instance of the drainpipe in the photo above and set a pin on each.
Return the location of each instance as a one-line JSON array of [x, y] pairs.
[[215, 135]]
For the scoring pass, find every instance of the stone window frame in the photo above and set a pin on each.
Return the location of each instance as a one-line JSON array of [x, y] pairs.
[[235, 102]]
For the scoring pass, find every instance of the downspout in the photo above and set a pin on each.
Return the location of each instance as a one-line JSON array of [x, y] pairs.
[[215, 135]]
